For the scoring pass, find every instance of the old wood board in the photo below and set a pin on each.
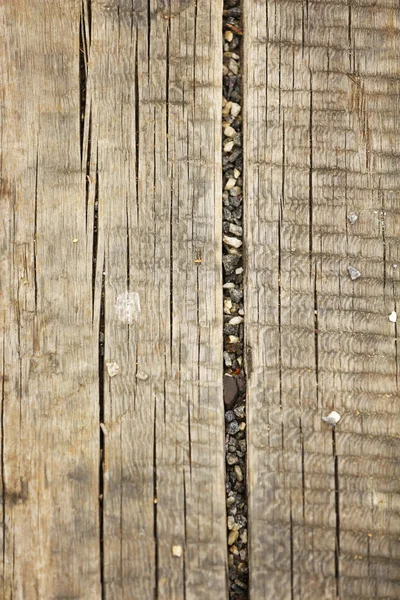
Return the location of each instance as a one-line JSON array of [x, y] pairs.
[[111, 262], [322, 140]]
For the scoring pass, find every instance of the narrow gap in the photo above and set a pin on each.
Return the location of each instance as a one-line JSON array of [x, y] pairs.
[[3, 479], [316, 335], [35, 279], [82, 78], [194, 52], [303, 471], [155, 501], [237, 362], [349, 36], [383, 229], [280, 315], [291, 553], [310, 179], [128, 261], [95, 230], [198, 338], [88, 157], [137, 129], [185, 526], [171, 245], [101, 344], [89, 15], [148, 36], [190, 438], [337, 511]]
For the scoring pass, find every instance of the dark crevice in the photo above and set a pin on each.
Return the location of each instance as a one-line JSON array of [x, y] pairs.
[[101, 345], [156, 557], [194, 52], [291, 553], [128, 260], [303, 472], [316, 337], [3, 478], [185, 526], [337, 511], [171, 213], [35, 278], [83, 71], [95, 230], [88, 158], [148, 36], [310, 178], [137, 131]]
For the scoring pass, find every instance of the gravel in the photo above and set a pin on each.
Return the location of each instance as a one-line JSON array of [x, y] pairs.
[[234, 312]]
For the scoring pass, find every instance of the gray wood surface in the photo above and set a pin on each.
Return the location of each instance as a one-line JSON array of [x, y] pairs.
[[111, 260], [322, 140]]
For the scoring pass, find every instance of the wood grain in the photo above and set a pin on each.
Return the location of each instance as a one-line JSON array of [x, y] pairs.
[[321, 137], [111, 262]]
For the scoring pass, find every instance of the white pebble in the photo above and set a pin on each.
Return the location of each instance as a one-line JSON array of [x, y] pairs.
[[230, 183], [393, 317], [241, 311], [229, 131], [232, 241], [227, 306], [112, 368], [235, 321], [235, 229], [227, 108], [233, 66], [239, 271], [229, 285], [332, 418], [236, 173], [233, 339], [177, 551], [228, 147], [235, 109], [141, 375]]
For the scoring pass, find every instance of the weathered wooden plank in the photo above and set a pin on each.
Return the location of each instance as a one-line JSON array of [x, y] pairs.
[[49, 404], [154, 93], [321, 138], [111, 255]]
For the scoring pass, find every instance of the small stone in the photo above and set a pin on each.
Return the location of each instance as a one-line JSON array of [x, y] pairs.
[[228, 147], [240, 411], [354, 273], [236, 295], [227, 359], [230, 263], [227, 306], [177, 551], [243, 555], [232, 241], [235, 191], [229, 285], [230, 183], [231, 459], [332, 418], [228, 36], [243, 536], [232, 429], [230, 523], [235, 109], [233, 536], [238, 473], [239, 271], [233, 66], [112, 368], [236, 173], [392, 317], [229, 131], [351, 217], [235, 229], [230, 501], [229, 416], [242, 426], [230, 389], [141, 375], [233, 339], [227, 108]]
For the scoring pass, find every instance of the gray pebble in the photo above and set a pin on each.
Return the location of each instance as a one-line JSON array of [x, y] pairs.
[[233, 427], [354, 273]]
